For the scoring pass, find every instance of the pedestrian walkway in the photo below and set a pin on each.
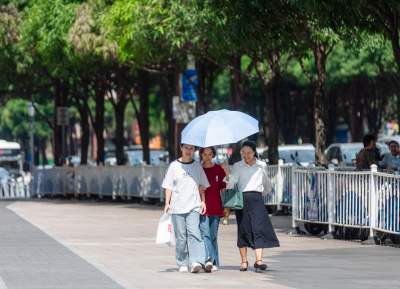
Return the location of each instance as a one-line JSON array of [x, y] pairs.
[[30, 259], [118, 240]]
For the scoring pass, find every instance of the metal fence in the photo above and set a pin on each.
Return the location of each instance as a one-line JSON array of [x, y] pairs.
[[14, 189], [353, 199], [117, 181], [281, 181], [332, 197]]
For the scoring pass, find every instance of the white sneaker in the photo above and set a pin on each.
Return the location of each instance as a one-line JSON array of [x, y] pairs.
[[214, 268], [183, 269], [208, 267], [196, 267]]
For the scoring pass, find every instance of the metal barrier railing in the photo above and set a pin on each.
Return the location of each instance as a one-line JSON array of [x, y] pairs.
[[354, 199], [387, 203], [14, 189], [281, 185], [119, 181]]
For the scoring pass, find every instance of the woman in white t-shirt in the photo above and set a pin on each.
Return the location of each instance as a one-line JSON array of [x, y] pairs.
[[185, 184], [254, 226]]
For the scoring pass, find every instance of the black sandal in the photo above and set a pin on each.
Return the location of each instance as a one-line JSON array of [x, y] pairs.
[[243, 269], [261, 267]]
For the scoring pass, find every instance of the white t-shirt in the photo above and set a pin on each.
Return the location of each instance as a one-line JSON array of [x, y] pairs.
[[184, 179], [250, 178]]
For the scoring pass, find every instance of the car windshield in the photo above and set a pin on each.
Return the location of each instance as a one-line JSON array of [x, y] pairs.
[[350, 153], [4, 173], [135, 157], [298, 155]]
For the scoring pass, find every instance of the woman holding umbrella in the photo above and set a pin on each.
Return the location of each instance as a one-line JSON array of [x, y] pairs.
[[254, 226]]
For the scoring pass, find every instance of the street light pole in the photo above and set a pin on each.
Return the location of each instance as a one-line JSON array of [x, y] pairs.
[[31, 111]]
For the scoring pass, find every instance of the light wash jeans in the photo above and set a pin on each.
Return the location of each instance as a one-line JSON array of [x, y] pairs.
[[189, 242], [209, 231]]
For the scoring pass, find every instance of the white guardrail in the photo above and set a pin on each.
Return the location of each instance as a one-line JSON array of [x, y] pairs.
[[368, 200], [14, 189], [117, 181], [334, 198]]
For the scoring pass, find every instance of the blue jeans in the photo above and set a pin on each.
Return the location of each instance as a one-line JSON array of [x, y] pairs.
[[189, 242], [209, 231]]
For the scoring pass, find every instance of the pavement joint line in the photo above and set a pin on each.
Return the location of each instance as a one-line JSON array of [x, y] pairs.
[[2, 284]]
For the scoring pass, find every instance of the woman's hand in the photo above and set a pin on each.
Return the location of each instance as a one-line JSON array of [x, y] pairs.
[[203, 208], [166, 208], [225, 167]]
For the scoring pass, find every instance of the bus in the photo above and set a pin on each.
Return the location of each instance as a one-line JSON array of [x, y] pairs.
[[11, 158]]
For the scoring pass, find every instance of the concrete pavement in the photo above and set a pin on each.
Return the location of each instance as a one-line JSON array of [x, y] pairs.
[[118, 241]]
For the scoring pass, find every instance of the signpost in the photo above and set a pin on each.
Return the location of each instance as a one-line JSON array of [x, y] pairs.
[[62, 120]]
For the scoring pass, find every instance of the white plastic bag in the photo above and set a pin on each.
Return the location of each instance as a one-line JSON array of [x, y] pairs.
[[165, 231]]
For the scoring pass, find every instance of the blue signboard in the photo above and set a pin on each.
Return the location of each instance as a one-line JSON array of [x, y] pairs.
[[189, 85]]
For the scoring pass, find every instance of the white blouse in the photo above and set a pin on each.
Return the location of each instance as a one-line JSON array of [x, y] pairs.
[[250, 178]]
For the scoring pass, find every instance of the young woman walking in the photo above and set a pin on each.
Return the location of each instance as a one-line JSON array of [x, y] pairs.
[[185, 184], [209, 222], [255, 230]]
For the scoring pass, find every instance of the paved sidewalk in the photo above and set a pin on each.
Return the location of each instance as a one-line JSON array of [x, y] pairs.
[[118, 239], [30, 259]]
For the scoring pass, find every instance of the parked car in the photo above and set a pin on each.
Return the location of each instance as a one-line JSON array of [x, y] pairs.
[[4, 174], [345, 154], [134, 157], [387, 139], [303, 154]]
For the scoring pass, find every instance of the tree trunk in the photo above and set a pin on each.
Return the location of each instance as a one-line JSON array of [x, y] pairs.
[[202, 75], [99, 125], [85, 139], [356, 112], [271, 93], [206, 75], [119, 110], [332, 117], [235, 81], [143, 117], [272, 107], [167, 85], [319, 103], [42, 148], [60, 100], [398, 108]]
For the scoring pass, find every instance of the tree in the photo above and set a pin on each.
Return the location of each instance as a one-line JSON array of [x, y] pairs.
[[46, 54]]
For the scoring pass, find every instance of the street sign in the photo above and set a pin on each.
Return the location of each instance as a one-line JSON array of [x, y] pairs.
[[62, 116], [189, 82]]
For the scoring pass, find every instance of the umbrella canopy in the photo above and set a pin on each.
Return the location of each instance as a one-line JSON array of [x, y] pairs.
[[219, 127]]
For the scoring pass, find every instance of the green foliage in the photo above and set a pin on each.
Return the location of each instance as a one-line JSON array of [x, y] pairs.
[[44, 35], [14, 121]]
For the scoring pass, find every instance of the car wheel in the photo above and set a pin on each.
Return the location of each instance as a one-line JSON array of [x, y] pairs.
[[314, 229]]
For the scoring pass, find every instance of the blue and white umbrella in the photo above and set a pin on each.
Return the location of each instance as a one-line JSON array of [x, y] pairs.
[[218, 128]]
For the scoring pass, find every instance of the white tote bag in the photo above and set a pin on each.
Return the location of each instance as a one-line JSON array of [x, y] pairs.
[[165, 231]]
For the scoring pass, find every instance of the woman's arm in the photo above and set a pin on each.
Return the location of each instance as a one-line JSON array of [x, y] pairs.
[[232, 177], [203, 200], [168, 194]]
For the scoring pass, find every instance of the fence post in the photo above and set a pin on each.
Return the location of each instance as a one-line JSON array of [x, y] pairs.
[[279, 186], [295, 229], [372, 207], [331, 203]]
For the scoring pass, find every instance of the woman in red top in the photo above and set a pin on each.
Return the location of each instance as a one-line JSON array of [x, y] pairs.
[[209, 222]]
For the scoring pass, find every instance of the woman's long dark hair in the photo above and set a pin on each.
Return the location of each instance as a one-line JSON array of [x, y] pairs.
[[252, 145]]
